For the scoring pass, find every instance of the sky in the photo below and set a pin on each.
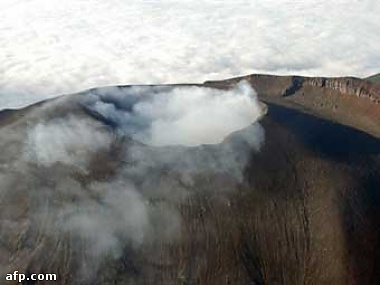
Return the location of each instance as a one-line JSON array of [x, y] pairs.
[[53, 47]]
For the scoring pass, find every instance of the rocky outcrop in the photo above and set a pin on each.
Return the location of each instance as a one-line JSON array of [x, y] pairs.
[[347, 85], [289, 85]]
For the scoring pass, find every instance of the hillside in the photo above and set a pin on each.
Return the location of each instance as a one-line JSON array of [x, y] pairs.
[[95, 207]]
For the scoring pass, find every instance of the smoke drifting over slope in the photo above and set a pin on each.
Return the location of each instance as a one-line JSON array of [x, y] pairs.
[[95, 186], [69, 141]]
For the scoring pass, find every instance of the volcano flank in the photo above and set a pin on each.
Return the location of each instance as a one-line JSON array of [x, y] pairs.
[[258, 179]]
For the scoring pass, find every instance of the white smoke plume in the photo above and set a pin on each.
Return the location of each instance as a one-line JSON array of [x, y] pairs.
[[110, 174], [188, 116]]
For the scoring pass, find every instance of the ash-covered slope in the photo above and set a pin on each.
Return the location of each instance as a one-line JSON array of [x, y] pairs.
[[291, 199]]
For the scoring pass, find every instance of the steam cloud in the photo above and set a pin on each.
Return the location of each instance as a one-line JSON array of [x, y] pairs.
[[187, 116], [94, 184], [60, 47]]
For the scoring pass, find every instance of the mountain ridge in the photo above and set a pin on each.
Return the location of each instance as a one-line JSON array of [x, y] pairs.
[[348, 100], [291, 83]]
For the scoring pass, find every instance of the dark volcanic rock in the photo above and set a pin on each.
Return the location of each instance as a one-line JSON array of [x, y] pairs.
[[306, 209], [350, 86], [288, 85]]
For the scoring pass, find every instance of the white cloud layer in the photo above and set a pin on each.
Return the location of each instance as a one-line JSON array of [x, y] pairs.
[[50, 47]]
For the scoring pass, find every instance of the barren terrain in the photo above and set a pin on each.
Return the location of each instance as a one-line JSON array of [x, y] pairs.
[[305, 209]]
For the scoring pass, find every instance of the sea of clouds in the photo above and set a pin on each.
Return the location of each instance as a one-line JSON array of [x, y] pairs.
[[54, 47]]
